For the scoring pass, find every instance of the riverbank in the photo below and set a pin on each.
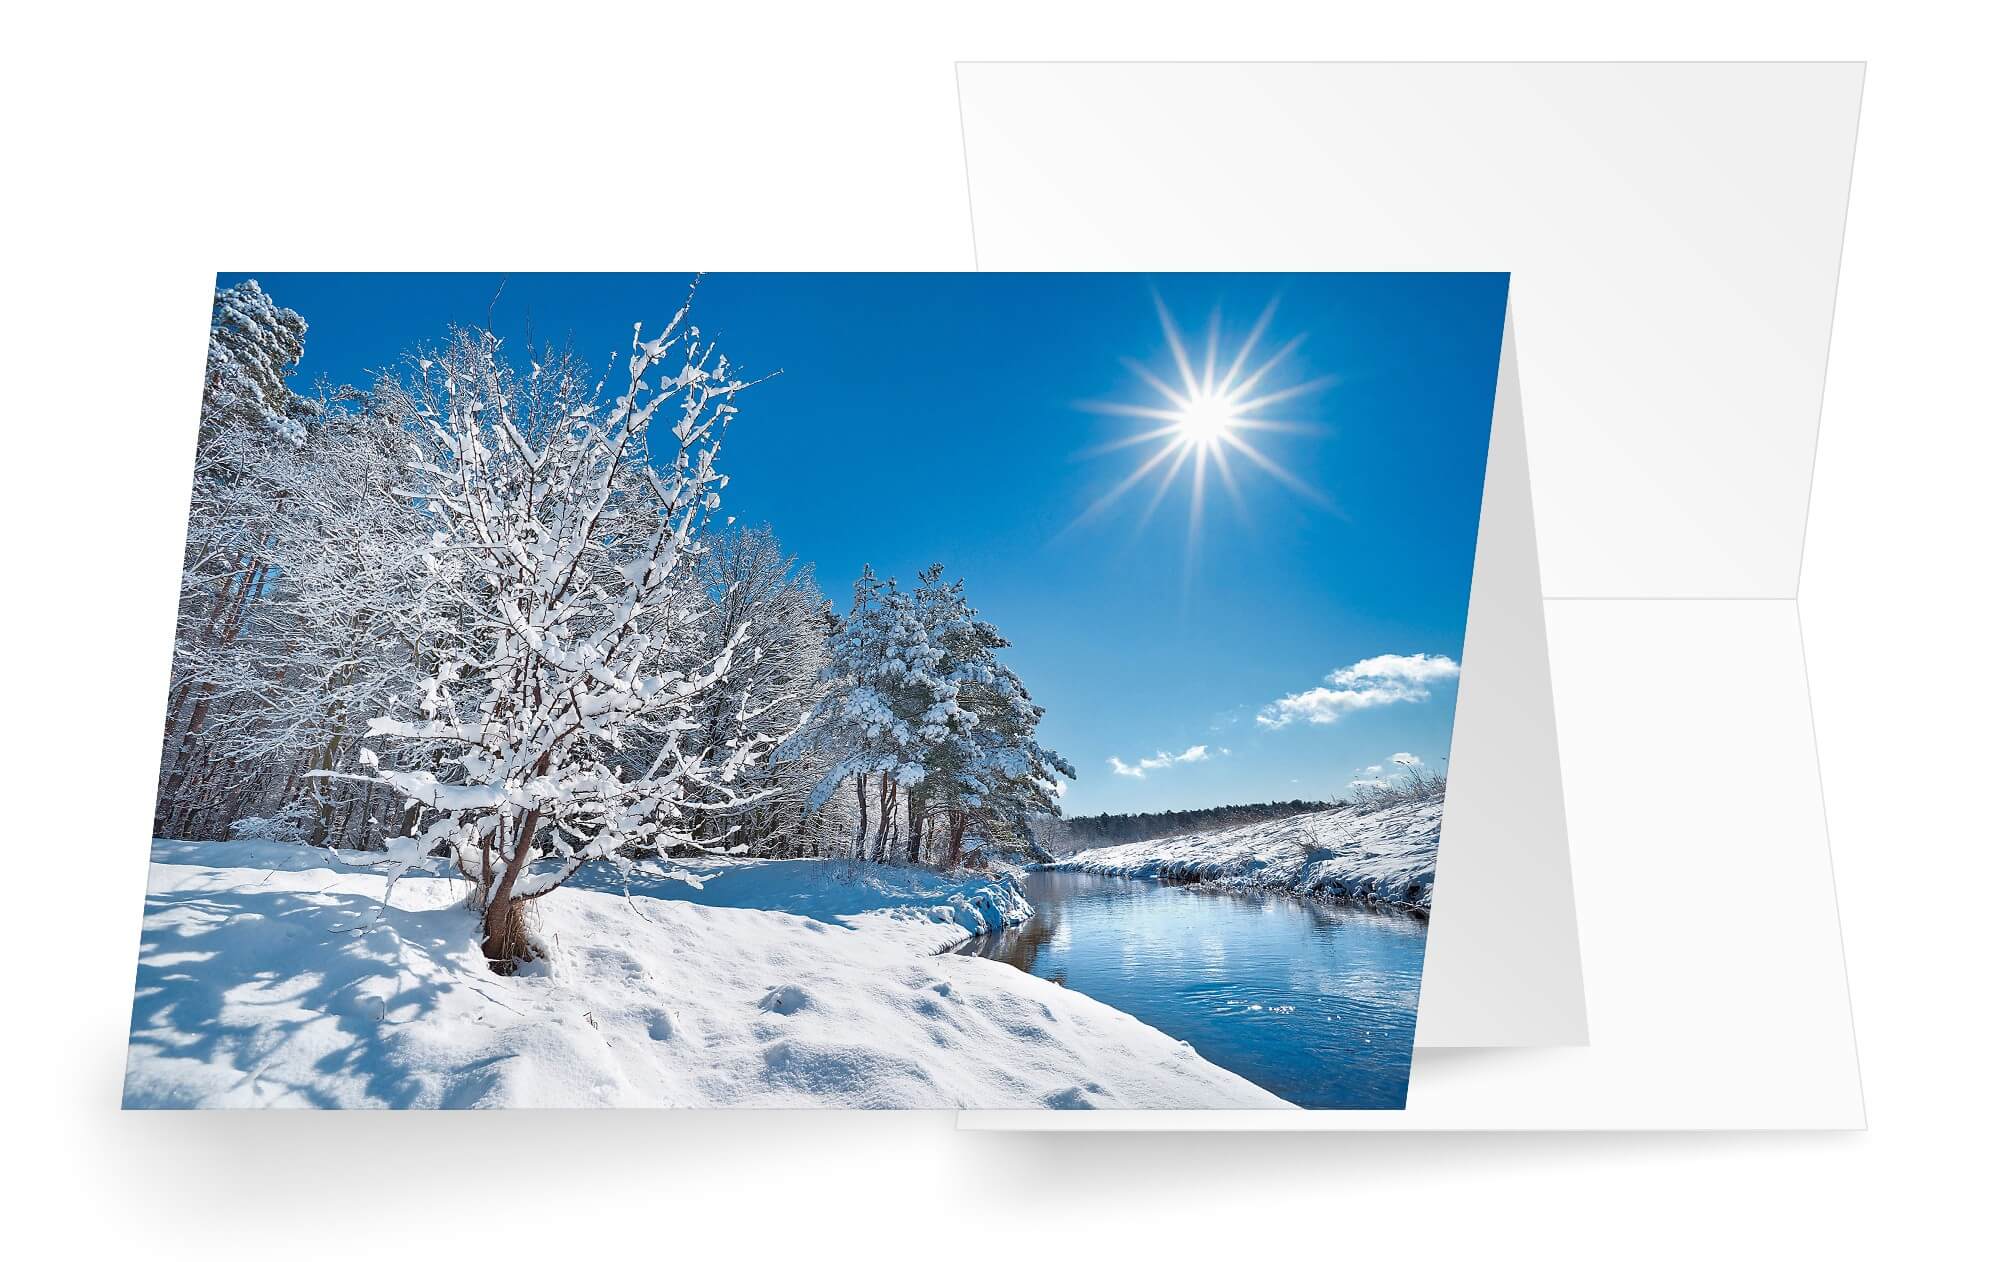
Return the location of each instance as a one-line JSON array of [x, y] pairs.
[[271, 975], [1384, 856]]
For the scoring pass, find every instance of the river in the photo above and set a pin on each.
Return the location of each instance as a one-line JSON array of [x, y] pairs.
[[1315, 1001]]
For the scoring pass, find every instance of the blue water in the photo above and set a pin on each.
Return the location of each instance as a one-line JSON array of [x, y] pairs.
[[1313, 1000]]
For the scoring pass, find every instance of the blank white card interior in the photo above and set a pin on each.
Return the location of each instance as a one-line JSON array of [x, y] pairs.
[[1673, 233]]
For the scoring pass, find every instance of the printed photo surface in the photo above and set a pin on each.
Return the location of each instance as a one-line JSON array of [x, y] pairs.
[[812, 690]]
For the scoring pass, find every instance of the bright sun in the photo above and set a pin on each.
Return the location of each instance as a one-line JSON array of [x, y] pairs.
[[1207, 417], [1205, 420]]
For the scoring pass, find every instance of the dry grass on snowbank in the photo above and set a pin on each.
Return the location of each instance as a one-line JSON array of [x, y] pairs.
[[1377, 854]]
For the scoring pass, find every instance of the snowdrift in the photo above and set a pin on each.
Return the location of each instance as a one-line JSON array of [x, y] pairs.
[[270, 975], [1381, 856], [928, 911]]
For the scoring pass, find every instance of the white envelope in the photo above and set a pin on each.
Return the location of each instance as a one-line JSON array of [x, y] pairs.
[[1673, 233]]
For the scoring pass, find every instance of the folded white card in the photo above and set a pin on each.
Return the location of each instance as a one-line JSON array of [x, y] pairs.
[[1502, 968], [1673, 232]]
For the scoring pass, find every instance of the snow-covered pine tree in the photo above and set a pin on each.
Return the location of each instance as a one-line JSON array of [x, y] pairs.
[[910, 684], [254, 347], [923, 710], [884, 687], [985, 768], [571, 523], [851, 718]]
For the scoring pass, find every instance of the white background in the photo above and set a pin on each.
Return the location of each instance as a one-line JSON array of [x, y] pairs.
[[147, 149]]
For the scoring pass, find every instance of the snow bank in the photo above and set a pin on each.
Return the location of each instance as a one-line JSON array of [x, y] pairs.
[[270, 975], [926, 910], [1381, 856]]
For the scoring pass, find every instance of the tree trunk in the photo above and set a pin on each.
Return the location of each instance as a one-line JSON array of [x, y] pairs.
[[322, 829], [182, 758], [225, 590], [183, 753], [887, 814], [916, 850], [957, 848], [861, 800], [368, 839], [506, 944]]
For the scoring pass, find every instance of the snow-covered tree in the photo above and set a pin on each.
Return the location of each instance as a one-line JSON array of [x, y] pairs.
[[750, 587], [985, 768], [334, 641], [254, 347], [929, 717], [250, 416], [562, 523], [295, 606], [881, 708]]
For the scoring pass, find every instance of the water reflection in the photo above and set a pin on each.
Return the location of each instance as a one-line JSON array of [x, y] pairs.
[[1313, 1000]]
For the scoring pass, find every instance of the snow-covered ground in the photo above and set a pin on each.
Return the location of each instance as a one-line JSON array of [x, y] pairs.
[[272, 975], [1381, 856]]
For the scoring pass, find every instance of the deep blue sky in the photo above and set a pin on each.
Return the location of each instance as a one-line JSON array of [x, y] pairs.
[[926, 417]]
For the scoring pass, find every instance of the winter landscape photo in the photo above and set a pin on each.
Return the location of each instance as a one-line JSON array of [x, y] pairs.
[[821, 690]]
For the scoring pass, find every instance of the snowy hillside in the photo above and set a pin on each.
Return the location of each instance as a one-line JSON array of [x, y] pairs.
[[270, 975], [1384, 856]]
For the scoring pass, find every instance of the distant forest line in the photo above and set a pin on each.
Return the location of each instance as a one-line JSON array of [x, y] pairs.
[[1067, 834]]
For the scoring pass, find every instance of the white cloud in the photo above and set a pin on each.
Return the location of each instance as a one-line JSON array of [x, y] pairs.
[[1390, 679], [1367, 784], [1163, 759], [1406, 760], [1326, 705], [1415, 668]]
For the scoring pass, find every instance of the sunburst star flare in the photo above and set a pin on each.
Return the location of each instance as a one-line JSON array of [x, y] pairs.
[[1208, 417]]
